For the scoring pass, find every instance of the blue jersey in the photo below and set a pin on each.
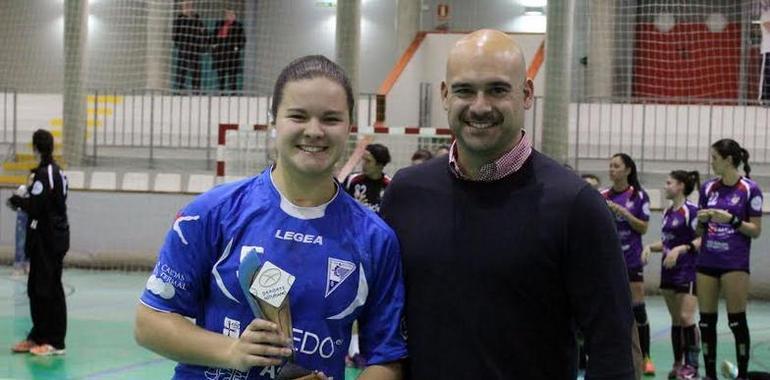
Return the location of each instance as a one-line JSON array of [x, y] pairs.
[[679, 228], [638, 203], [344, 259], [723, 246]]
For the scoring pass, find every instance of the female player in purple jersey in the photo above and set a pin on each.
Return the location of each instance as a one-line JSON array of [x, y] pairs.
[[677, 279], [729, 217], [631, 206]]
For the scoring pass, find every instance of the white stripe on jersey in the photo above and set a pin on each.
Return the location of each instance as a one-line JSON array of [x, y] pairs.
[[748, 188], [762, 76], [707, 191], [686, 213], [360, 300], [50, 175], [218, 277]]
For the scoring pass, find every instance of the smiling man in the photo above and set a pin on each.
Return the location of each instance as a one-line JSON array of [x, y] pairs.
[[518, 250]]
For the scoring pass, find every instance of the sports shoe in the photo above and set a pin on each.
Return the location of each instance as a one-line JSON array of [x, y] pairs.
[[23, 347], [46, 350], [649, 367], [674, 371], [687, 372], [729, 370]]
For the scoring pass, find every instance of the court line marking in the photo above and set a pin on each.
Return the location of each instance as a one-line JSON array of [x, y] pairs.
[[103, 374]]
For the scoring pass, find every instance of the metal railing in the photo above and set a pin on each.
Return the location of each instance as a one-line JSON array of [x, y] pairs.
[[674, 132], [160, 119], [661, 133]]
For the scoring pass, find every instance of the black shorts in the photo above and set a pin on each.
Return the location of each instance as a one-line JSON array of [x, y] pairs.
[[636, 274], [685, 288], [718, 272]]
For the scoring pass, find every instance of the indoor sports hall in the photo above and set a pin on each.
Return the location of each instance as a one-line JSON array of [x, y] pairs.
[[151, 103]]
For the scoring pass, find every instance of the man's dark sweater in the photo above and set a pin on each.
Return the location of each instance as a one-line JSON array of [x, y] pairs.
[[499, 275]]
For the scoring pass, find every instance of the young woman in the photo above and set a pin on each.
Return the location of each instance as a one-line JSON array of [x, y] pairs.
[[46, 242], [730, 216], [677, 279], [631, 206], [339, 261]]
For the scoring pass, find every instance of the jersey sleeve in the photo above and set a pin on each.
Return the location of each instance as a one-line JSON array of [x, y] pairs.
[[643, 211], [754, 207], [693, 221], [34, 204], [179, 280], [381, 326]]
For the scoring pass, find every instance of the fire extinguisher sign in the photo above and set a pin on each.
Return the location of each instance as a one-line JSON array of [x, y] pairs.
[[442, 12]]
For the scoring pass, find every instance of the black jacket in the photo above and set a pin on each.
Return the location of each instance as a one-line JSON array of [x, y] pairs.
[[189, 34], [46, 206], [226, 51]]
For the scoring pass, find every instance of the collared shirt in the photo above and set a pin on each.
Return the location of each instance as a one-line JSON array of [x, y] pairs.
[[506, 165]]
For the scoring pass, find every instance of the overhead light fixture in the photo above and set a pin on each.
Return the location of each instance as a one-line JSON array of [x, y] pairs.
[[534, 11], [326, 3], [532, 3]]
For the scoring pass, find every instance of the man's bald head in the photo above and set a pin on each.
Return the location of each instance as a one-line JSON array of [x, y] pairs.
[[486, 93], [483, 46]]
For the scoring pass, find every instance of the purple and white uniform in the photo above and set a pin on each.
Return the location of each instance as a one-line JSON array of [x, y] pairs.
[[679, 228], [638, 203], [723, 246]]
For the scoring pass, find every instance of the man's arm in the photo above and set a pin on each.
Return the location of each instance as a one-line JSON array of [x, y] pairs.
[[241, 42], [597, 285]]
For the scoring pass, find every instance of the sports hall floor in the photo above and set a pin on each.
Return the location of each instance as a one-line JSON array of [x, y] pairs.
[[100, 343]]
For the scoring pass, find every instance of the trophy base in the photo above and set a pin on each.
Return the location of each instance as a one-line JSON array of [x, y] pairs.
[[291, 371]]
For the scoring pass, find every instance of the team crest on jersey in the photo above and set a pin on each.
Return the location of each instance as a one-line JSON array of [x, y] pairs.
[[735, 199], [674, 222], [37, 188], [629, 204], [756, 203], [337, 272]]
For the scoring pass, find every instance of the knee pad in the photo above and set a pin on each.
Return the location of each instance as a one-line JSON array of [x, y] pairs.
[[708, 321], [737, 322]]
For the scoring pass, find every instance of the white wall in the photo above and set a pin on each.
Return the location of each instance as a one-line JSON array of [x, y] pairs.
[[506, 15], [429, 65]]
